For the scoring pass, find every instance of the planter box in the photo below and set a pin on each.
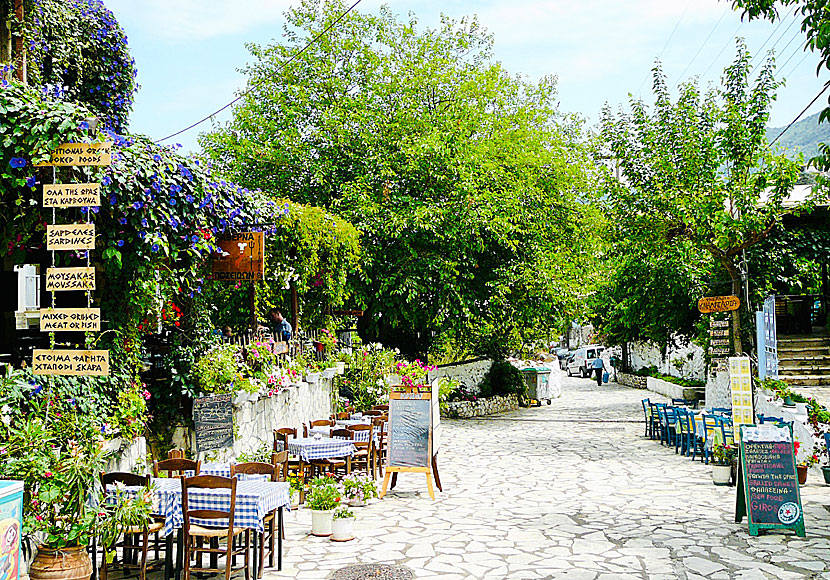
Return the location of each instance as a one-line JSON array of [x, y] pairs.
[[480, 407], [671, 390]]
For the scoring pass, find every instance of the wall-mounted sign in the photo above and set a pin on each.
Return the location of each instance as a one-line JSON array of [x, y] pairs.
[[71, 362], [70, 319], [70, 237], [72, 195], [719, 350], [241, 257], [80, 154], [718, 304], [213, 420], [740, 381], [60, 279]]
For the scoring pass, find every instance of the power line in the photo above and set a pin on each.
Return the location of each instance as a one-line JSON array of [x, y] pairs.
[[794, 121], [679, 20], [286, 63], [792, 70], [700, 48], [771, 34], [775, 44], [729, 41]]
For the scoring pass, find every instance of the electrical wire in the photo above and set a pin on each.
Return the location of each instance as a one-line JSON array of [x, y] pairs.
[[729, 41], [794, 121], [679, 20], [286, 63], [700, 48]]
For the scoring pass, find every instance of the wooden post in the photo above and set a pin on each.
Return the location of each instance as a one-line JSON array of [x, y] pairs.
[[253, 306], [295, 309], [19, 49]]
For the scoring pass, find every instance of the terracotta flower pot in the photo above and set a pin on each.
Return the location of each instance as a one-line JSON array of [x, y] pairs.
[[802, 474], [63, 564]]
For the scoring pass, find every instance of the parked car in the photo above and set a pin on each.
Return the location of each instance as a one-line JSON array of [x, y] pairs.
[[582, 359], [563, 354], [563, 363]]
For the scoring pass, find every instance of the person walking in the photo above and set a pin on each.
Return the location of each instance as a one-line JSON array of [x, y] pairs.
[[598, 367]]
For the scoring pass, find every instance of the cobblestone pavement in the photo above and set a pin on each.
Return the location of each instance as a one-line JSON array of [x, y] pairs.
[[572, 491]]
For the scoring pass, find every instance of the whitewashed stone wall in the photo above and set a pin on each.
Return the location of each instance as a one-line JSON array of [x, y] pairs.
[[767, 404], [632, 381], [691, 356], [469, 374], [481, 407], [254, 422], [668, 389], [718, 391], [128, 456]]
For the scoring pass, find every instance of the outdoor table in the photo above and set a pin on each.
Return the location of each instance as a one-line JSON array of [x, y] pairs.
[[362, 436], [343, 423], [309, 448]]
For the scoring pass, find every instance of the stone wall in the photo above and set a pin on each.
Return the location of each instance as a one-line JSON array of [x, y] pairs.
[[690, 358], [469, 373], [632, 381], [767, 404], [254, 422], [128, 456], [718, 390], [481, 407], [671, 390]]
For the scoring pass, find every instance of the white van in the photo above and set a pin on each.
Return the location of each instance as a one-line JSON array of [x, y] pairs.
[[582, 359]]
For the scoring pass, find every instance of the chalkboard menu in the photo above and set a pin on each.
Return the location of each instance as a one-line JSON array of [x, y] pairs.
[[409, 430], [213, 418], [767, 484]]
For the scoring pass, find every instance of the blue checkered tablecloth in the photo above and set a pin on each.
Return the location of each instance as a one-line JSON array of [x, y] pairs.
[[254, 500], [308, 448]]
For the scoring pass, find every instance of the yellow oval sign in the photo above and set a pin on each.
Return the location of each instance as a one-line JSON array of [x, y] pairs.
[[718, 304]]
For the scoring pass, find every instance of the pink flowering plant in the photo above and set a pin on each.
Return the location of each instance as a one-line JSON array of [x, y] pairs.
[[413, 374]]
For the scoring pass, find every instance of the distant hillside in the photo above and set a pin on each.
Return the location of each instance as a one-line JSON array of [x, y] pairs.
[[802, 137]]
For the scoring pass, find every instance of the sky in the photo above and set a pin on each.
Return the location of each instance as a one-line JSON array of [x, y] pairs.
[[189, 52]]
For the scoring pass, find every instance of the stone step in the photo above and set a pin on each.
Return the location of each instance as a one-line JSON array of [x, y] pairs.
[[805, 370], [818, 343], [806, 380], [803, 351]]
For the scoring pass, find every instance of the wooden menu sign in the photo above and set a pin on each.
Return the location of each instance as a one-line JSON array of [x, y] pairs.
[[60, 279], [70, 319], [71, 362], [72, 195], [241, 257], [213, 420], [79, 154], [718, 304], [768, 491], [70, 237]]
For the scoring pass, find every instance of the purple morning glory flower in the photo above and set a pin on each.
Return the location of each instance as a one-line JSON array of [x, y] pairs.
[[155, 248], [106, 181], [113, 201], [138, 204], [156, 157], [189, 199], [142, 235], [194, 239], [95, 209], [84, 209], [144, 222], [172, 201], [17, 162], [123, 221], [175, 188], [84, 126], [31, 181], [120, 243]]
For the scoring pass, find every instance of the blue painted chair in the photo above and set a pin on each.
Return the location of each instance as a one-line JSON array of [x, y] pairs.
[[683, 431], [722, 411], [711, 424], [727, 432], [654, 420], [667, 424], [647, 414]]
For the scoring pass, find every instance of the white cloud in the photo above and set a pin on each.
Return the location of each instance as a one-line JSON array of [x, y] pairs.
[[194, 20]]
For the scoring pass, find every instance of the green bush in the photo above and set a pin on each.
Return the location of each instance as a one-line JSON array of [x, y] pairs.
[[503, 379], [215, 371]]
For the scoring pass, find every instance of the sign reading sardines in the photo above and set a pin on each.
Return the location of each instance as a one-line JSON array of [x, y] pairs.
[[80, 154], [70, 362], [70, 237], [70, 319], [72, 195], [60, 279], [718, 304]]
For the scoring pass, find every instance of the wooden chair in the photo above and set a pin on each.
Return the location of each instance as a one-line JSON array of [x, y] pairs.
[[362, 459], [195, 534], [176, 467], [136, 540], [341, 416], [379, 460], [175, 454], [373, 413], [279, 459], [384, 408], [341, 433], [269, 522], [317, 423]]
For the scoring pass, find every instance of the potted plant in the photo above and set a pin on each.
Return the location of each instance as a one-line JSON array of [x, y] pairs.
[[342, 525], [295, 489], [359, 489], [722, 457], [131, 510], [804, 466], [322, 500]]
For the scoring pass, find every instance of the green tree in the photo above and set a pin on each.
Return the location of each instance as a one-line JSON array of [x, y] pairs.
[[698, 171], [462, 179]]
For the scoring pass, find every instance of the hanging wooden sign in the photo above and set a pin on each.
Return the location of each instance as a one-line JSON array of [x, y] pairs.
[[80, 154], [241, 257], [61, 279], [72, 195], [768, 491], [718, 304], [70, 319], [71, 362], [70, 237]]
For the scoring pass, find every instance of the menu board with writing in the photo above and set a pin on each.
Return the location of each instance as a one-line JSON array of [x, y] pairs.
[[213, 419], [59, 279], [71, 362], [80, 154], [768, 491], [410, 424], [70, 237], [72, 195], [740, 381], [70, 319]]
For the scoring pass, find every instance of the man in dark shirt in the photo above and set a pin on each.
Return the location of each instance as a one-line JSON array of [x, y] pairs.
[[280, 327]]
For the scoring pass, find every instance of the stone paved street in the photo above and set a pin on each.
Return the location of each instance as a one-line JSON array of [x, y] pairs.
[[572, 491]]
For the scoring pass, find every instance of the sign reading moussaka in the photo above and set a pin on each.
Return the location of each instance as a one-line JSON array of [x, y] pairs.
[[80, 154], [718, 304], [59, 279]]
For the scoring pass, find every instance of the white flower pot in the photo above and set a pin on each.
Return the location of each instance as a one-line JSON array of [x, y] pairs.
[[721, 474], [340, 367], [357, 503], [312, 378], [342, 529], [801, 408], [321, 522], [328, 373]]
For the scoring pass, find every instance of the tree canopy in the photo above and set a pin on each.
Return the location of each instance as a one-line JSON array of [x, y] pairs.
[[464, 181]]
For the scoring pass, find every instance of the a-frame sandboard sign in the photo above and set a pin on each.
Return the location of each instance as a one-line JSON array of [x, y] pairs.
[[411, 447], [768, 491]]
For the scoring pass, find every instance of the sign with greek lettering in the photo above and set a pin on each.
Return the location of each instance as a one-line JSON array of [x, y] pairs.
[[717, 323], [718, 304], [60, 279], [72, 195], [80, 154], [241, 257], [70, 237], [213, 420], [768, 491], [70, 319], [71, 362]]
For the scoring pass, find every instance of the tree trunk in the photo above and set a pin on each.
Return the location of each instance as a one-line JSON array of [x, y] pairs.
[[735, 275]]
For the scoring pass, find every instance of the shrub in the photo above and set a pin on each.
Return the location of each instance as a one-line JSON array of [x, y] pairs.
[[503, 379]]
